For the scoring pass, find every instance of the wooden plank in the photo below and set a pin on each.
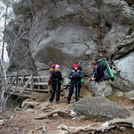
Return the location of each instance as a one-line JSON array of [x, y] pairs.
[[23, 95], [14, 87], [20, 95], [36, 77], [26, 84], [20, 88], [18, 91], [40, 83], [19, 75], [45, 90], [27, 77]]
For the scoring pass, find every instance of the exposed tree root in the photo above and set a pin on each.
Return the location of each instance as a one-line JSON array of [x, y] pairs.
[[57, 111], [76, 130], [99, 127]]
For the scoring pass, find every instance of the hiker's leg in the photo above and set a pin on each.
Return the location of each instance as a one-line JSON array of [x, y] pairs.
[[58, 92], [53, 92], [49, 88], [78, 86], [100, 88], [108, 89], [70, 91]]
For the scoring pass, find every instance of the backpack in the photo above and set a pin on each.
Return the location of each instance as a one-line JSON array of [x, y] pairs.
[[52, 68], [80, 68], [107, 71]]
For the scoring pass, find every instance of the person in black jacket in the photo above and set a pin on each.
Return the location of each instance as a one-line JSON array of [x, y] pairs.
[[97, 72], [102, 87], [75, 75], [56, 84]]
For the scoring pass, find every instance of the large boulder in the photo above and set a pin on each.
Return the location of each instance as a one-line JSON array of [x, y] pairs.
[[99, 106], [70, 31], [100, 89], [125, 67]]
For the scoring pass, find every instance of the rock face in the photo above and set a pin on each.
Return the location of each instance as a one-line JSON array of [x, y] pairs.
[[72, 31], [96, 106], [126, 71]]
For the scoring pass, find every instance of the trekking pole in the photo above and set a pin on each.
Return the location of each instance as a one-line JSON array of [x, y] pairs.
[[57, 94], [77, 91]]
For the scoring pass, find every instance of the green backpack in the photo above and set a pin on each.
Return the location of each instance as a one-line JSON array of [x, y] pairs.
[[108, 72]]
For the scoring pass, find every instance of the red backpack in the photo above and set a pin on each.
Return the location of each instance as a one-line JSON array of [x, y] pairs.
[[52, 68]]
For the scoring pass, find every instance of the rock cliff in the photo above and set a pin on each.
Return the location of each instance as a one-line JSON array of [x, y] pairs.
[[72, 31]]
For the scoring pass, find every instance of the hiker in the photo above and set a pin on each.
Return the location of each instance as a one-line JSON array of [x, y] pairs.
[[56, 84], [75, 75], [52, 68], [102, 87], [97, 72]]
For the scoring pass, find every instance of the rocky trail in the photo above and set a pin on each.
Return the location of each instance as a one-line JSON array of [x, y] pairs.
[[45, 118]]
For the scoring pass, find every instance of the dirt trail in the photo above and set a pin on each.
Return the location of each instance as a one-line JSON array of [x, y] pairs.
[[23, 121]]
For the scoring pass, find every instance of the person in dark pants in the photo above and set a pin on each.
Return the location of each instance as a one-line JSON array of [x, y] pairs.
[[102, 86], [56, 84], [75, 75]]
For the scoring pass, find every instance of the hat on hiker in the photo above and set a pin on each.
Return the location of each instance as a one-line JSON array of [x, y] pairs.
[[75, 65], [52, 66], [57, 66], [93, 63]]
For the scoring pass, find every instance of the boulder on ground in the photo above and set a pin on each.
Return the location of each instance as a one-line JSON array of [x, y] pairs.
[[100, 106], [29, 104]]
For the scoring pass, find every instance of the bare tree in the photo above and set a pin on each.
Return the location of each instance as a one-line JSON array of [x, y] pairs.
[[2, 68], [19, 34]]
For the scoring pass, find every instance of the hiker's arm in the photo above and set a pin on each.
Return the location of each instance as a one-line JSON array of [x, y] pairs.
[[70, 75], [81, 75], [97, 74], [92, 78], [50, 78], [61, 78]]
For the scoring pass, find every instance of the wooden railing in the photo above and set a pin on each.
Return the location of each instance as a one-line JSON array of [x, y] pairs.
[[24, 85]]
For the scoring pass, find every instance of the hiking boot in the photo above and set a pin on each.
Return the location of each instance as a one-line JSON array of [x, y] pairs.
[[51, 102], [57, 102], [77, 99], [68, 102]]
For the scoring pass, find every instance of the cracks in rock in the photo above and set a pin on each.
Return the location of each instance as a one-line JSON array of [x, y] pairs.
[[54, 1], [37, 45], [131, 4], [108, 24], [125, 53], [124, 47], [121, 84], [59, 21], [69, 2], [88, 48]]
